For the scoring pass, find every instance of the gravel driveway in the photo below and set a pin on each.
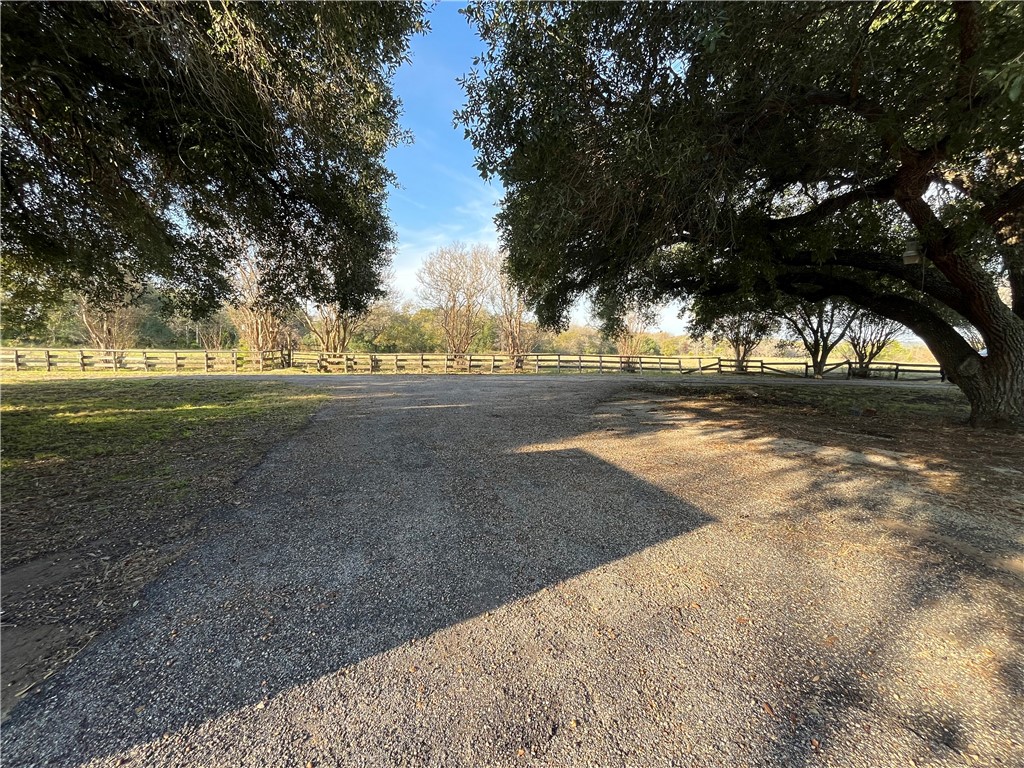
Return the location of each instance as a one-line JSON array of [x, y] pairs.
[[470, 571]]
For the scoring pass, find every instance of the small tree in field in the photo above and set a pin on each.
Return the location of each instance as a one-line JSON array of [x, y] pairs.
[[109, 327], [820, 326], [741, 323], [333, 327], [632, 339], [868, 335], [516, 333], [259, 318]]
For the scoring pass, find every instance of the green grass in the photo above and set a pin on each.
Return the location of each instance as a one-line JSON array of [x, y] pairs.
[[85, 457]]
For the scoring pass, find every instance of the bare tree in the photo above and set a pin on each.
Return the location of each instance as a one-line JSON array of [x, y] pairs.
[[260, 319], [455, 281], [820, 326], [213, 332], [739, 321], [630, 339], [516, 333], [115, 327], [868, 335], [333, 327]]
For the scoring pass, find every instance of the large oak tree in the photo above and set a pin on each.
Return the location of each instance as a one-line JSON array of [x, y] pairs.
[[146, 141], [670, 150]]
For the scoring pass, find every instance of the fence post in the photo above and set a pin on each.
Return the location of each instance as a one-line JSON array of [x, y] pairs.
[[234, 361], [81, 360], [492, 363], [145, 362], [113, 359], [558, 362], [46, 352], [396, 363], [469, 363], [896, 372], [206, 361]]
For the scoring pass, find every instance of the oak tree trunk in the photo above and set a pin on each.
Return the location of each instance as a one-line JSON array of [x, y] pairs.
[[994, 386]]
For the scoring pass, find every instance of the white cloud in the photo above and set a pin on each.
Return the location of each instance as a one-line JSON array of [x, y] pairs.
[[470, 221]]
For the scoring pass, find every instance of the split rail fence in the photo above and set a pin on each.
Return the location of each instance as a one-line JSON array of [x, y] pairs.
[[232, 360]]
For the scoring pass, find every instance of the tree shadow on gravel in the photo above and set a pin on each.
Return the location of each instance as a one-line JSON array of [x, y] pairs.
[[394, 515], [948, 510], [407, 509]]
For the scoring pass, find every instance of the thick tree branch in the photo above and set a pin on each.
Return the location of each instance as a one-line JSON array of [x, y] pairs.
[[928, 281], [950, 347], [881, 190], [969, 40]]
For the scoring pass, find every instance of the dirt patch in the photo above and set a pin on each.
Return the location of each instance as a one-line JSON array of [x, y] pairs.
[[972, 480]]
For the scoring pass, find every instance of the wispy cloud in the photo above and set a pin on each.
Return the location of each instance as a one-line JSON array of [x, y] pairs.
[[470, 220]]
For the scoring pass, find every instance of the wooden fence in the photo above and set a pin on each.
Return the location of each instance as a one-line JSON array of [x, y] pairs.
[[179, 360], [232, 360]]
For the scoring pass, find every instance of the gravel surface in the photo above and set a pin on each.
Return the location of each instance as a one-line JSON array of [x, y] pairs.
[[505, 571]]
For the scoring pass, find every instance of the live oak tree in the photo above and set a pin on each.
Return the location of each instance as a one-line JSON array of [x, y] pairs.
[[140, 138], [657, 151]]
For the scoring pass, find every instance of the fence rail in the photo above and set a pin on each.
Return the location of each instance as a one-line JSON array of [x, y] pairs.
[[178, 360], [233, 360]]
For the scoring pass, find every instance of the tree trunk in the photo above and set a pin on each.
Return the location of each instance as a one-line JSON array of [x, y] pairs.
[[994, 386], [741, 356], [818, 363]]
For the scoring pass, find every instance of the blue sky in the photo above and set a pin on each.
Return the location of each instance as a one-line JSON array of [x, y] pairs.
[[441, 196]]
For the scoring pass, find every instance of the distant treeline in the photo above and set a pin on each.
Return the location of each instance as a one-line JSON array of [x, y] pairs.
[[390, 326]]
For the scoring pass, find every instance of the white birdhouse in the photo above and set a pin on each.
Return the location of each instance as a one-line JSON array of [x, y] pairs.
[[912, 254]]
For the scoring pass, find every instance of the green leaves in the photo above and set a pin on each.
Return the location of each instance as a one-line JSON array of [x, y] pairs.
[[150, 140]]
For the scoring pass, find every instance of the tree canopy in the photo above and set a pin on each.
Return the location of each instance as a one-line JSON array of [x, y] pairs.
[[670, 150], [160, 140]]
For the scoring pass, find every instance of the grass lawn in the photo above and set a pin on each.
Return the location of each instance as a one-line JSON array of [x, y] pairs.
[[106, 452], [105, 479]]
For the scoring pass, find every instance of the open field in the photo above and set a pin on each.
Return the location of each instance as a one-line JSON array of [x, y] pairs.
[[578, 570], [104, 482]]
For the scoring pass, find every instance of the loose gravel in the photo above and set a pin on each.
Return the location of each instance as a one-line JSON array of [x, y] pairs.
[[470, 571]]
